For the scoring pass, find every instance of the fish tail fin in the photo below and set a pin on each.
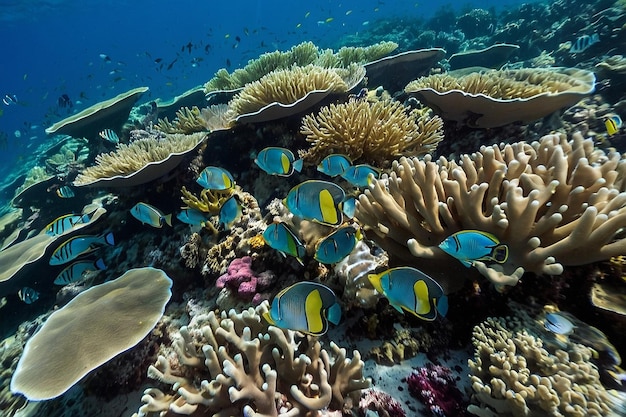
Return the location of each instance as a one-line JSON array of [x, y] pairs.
[[442, 305], [334, 314], [168, 219], [108, 239], [297, 165], [100, 264], [500, 253]]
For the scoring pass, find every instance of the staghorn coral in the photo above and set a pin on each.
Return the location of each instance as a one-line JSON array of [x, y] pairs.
[[516, 373], [145, 158], [250, 368], [553, 202], [372, 132], [286, 87], [122, 312]]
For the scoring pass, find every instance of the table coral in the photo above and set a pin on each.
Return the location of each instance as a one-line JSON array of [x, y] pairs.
[[246, 366], [553, 202]]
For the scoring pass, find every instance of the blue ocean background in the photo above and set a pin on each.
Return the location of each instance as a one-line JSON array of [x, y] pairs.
[[50, 48]]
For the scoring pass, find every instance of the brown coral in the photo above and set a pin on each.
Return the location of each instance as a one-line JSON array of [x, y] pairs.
[[372, 132]]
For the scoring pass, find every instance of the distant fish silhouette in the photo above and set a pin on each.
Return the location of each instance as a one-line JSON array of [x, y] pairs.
[[64, 101], [583, 43]]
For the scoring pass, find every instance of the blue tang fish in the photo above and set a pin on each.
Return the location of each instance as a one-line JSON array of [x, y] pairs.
[[613, 124], [216, 178], [64, 223], [473, 245], [558, 324], [28, 295], [409, 289], [192, 216], [78, 245], [337, 245], [334, 164], [317, 201], [76, 270], [278, 236], [359, 175], [151, 215], [278, 161], [305, 307], [230, 212]]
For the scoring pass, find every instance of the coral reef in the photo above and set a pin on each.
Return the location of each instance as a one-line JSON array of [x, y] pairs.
[[209, 201], [380, 402], [553, 202], [250, 367], [148, 157], [435, 386], [240, 277], [191, 120], [369, 132]]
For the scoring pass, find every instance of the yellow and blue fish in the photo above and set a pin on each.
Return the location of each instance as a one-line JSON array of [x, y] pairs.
[[613, 124], [359, 175], [348, 206], [64, 223], [409, 289], [337, 245], [77, 246], [216, 178], [316, 200], [65, 192], [192, 217], [28, 295], [558, 324], [473, 245], [305, 307], [151, 215], [278, 236], [278, 161], [75, 271], [334, 164], [230, 212]]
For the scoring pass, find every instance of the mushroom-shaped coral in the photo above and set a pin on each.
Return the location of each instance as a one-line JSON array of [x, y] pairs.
[[495, 98], [553, 202], [371, 132], [94, 327]]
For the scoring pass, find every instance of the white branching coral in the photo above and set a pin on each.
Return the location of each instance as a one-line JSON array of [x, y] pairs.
[[253, 369], [553, 202]]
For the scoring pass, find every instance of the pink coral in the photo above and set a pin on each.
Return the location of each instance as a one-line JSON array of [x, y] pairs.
[[241, 277], [381, 402], [435, 387]]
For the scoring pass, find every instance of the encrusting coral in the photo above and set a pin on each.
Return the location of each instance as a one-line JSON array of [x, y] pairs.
[[372, 132], [516, 373], [250, 368], [128, 160], [553, 202]]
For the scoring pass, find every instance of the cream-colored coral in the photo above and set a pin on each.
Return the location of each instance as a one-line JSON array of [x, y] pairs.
[[371, 132], [128, 159], [191, 120], [286, 87], [553, 202], [515, 373], [253, 368]]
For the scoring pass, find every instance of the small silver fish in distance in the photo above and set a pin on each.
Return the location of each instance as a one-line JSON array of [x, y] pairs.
[[77, 270], [148, 214], [583, 43], [77, 246], [558, 324], [65, 192], [110, 135], [28, 295]]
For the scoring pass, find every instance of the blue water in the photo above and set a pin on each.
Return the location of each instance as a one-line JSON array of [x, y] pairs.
[[49, 48]]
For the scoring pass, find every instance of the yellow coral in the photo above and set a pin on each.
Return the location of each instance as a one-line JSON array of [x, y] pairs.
[[256, 242], [210, 201], [373, 132]]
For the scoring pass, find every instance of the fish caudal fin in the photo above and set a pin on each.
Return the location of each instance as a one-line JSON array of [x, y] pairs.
[[334, 314], [168, 219], [297, 165], [100, 264], [108, 239], [268, 318]]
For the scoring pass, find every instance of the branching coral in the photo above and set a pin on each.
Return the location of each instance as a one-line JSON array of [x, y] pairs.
[[371, 132], [209, 201], [190, 120], [155, 151], [252, 367], [553, 202], [515, 373]]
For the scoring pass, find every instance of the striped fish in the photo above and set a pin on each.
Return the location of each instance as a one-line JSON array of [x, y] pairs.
[[109, 135], [65, 192], [583, 43], [78, 245], [75, 271], [63, 223]]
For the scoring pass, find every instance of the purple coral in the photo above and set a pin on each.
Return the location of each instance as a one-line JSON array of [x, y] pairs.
[[241, 277], [435, 387], [381, 402]]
